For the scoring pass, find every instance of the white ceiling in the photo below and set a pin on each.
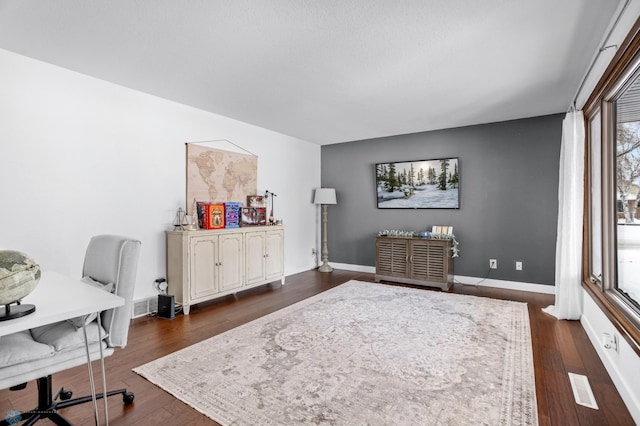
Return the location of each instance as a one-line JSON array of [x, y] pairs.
[[326, 71]]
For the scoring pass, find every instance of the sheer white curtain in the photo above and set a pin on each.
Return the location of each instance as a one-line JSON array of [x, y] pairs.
[[568, 303]]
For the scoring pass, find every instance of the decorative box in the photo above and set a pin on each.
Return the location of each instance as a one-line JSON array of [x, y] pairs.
[[232, 215], [210, 216], [202, 214], [254, 216], [215, 214]]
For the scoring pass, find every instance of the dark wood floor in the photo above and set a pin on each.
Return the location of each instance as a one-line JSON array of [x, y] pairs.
[[559, 347]]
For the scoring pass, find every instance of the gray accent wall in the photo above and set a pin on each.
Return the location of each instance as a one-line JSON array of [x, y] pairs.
[[508, 196]]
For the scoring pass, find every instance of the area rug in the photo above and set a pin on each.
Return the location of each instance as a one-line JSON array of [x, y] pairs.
[[364, 354]]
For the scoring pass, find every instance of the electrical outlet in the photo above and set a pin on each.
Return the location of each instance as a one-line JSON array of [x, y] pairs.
[[518, 266], [493, 264], [610, 341]]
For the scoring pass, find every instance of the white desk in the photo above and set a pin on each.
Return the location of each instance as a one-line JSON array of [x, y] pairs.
[[58, 298]]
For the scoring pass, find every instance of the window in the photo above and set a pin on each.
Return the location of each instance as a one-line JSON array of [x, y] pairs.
[[627, 184], [612, 219]]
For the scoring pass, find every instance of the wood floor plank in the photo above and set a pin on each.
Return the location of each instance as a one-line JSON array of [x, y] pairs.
[[558, 347], [568, 350]]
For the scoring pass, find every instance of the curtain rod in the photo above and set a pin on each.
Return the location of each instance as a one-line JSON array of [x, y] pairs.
[[602, 48]]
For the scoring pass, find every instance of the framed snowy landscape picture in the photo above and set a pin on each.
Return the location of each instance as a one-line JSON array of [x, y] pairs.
[[422, 184]]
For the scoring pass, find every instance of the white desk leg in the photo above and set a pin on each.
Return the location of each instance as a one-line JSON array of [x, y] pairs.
[[103, 372], [91, 384]]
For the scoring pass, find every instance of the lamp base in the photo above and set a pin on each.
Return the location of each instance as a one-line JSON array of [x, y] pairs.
[[325, 267]]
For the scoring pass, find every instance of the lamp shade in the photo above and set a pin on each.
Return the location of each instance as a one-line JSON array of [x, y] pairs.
[[325, 196]]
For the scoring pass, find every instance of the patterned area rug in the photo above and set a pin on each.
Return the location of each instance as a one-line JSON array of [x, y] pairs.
[[365, 354]]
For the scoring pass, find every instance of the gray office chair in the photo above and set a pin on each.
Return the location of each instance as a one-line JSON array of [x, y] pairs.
[[108, 259]]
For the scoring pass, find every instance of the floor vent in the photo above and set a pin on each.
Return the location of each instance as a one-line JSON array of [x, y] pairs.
[[582, 391], [144, 307]]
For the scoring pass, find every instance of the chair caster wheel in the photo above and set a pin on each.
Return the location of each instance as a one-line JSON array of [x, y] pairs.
[[128, 397], [65, 394]]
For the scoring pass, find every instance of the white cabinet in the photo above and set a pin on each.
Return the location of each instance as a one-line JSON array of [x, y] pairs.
[[275, 255], [264, 256], [203, 268], [205, 264], [216, 264]]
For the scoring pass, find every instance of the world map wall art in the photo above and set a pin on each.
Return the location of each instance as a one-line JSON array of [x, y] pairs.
[[219, 176]]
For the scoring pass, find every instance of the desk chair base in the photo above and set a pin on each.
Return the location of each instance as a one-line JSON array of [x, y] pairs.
[[48, 406]]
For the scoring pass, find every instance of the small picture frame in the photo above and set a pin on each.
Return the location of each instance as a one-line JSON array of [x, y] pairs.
[[446, 230], [255, 201]]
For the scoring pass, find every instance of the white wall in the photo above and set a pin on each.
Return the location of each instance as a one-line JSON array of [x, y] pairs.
[[80, 156], [622, 365]]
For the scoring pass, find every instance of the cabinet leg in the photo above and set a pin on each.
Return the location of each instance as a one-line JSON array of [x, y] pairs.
[[282, 281], [185, 309]]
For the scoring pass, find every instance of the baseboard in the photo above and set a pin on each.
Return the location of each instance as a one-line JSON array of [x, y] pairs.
[[300, 269], [508, 285], [463, 280], [354, 268]]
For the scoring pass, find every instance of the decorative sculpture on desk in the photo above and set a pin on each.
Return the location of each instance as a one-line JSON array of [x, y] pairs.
[[19, 275], [180, 222], [268, 194], [193, 225]]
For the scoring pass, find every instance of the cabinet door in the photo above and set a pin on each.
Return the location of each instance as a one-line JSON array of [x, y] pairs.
[[392, 257], [203, 280], [254, 257], [274, 253], [230, 261], [429, 261]]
